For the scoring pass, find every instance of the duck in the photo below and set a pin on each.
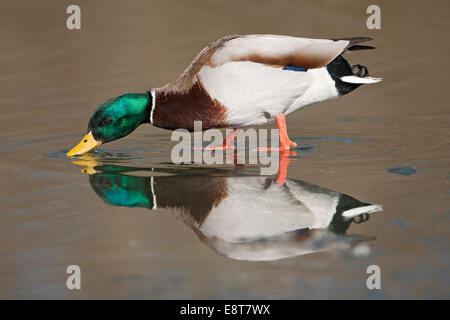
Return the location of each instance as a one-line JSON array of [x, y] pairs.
[[235, 82], [239, 215]]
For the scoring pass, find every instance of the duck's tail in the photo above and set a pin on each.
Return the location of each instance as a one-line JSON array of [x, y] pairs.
[[360, 80], [354, 43], [360, 74], [367, 208]]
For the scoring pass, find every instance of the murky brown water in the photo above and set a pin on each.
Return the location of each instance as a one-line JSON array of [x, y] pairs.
[[53, 215]]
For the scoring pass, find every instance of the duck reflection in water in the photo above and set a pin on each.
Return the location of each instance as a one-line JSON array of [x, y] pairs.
[[239, 216]]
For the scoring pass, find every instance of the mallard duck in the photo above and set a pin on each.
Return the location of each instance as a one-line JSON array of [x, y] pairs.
[[235, 82], [235, 215]]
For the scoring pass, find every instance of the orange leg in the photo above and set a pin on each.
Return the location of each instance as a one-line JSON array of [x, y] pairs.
[[285, 142], [228, 142], [284, 162]]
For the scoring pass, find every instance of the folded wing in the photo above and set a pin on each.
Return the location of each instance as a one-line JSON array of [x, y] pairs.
[[271, 50], [279, 50]]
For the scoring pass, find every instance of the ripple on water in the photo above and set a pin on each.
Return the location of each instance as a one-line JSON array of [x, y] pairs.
[[125, 155]]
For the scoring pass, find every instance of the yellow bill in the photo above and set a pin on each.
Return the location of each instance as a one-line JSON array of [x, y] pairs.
[[86, 144]]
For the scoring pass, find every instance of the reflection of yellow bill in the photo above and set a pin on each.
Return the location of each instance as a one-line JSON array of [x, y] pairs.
[[86, 144], [88, 163]]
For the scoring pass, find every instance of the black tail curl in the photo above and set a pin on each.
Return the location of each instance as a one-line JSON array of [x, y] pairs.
[[360, 70]]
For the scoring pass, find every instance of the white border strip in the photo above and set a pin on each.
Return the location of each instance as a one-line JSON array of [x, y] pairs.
[[153, 106], [155, 206]]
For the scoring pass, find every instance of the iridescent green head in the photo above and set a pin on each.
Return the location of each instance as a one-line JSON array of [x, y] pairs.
[[117, 117], [114, 119]]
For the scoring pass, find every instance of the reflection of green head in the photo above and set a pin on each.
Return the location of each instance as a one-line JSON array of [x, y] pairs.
[[123, 190]]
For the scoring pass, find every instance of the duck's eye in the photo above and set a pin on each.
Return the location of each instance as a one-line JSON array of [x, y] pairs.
[[106, 121]]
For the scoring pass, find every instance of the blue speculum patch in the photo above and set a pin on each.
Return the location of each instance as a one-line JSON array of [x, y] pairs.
[[404, 171], [294, 68]]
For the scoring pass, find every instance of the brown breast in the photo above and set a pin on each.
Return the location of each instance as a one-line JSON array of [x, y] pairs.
[[177, 109], [196, 196]]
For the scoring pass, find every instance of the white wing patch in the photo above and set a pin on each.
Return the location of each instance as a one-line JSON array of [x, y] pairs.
[[252, 91]]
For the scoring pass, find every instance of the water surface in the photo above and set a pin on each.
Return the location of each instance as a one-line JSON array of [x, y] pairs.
[[99, 212]]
